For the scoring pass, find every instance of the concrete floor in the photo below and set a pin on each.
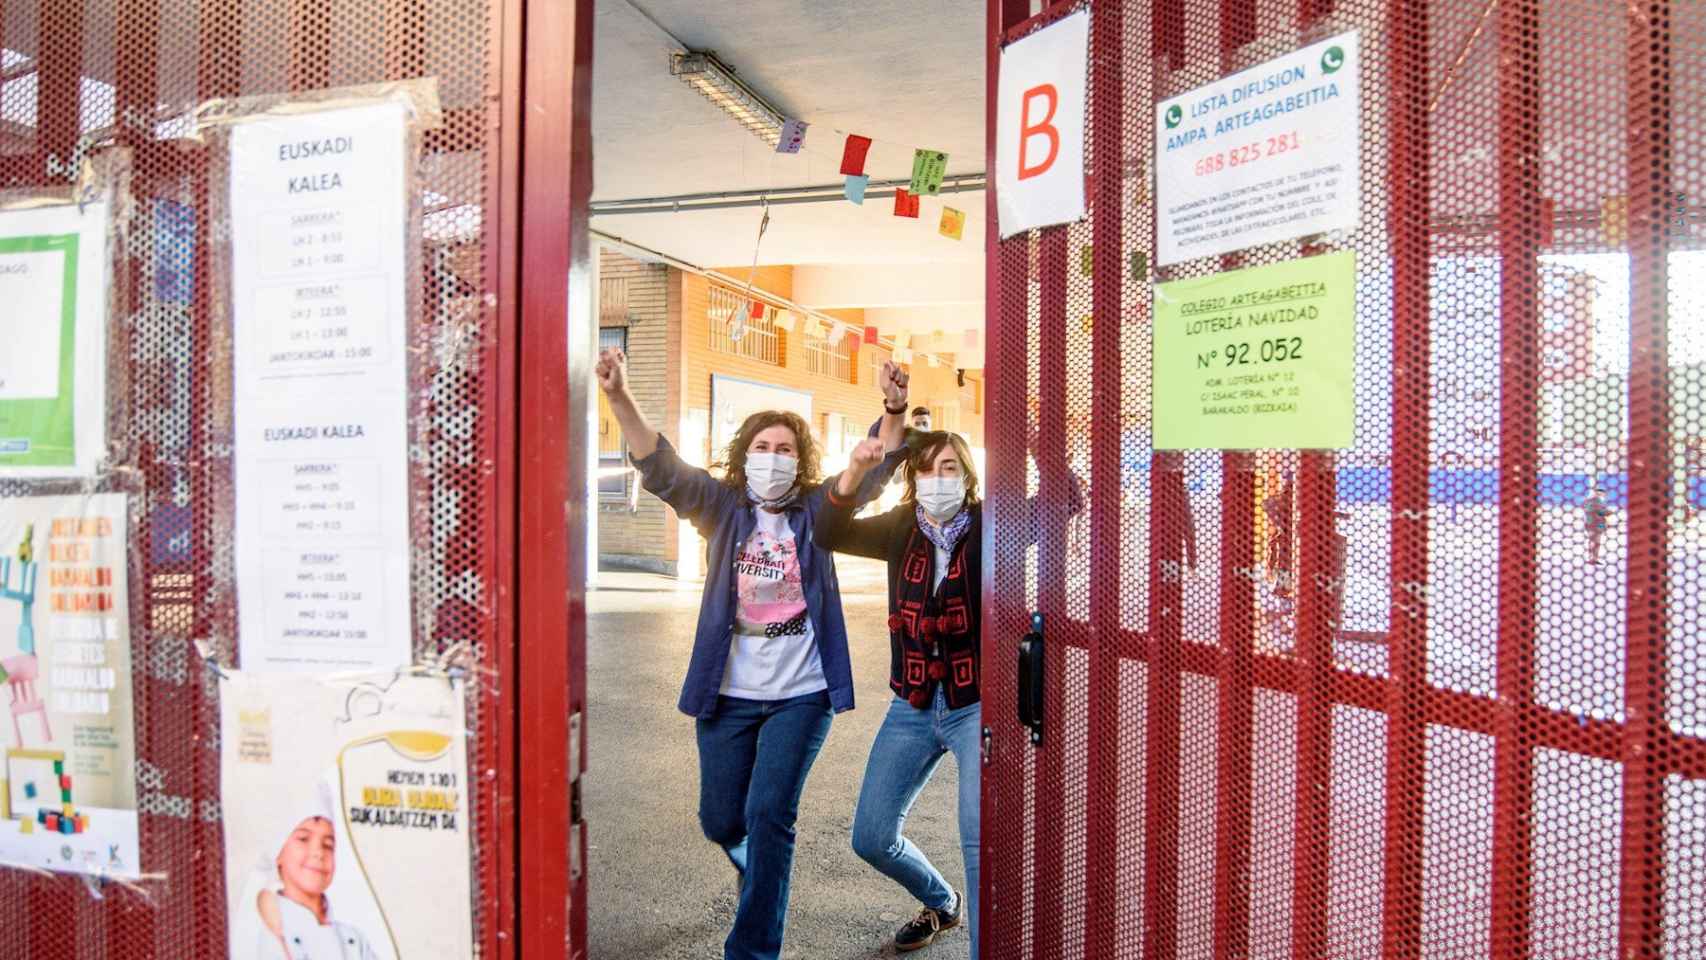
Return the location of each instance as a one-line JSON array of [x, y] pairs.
[[657, 889]]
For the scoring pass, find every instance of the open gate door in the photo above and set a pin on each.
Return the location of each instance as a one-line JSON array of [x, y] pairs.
[[1404, 698]]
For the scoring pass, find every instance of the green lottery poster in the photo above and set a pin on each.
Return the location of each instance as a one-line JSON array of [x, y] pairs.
[[1259, 358], [53, 283]]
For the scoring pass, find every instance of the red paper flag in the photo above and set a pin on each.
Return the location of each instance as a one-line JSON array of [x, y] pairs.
[[905, 204], [853, 155], [756, 311], [870, 334]]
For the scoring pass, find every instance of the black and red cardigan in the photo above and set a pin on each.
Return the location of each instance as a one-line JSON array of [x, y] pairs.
[[933, 636]]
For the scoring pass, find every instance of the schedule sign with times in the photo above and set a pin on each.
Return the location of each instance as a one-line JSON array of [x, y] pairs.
[[318, 207], [1264, 155]]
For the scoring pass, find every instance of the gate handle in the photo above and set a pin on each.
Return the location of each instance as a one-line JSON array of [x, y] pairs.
[[1031, 679]]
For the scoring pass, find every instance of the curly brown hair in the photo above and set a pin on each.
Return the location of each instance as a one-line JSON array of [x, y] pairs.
[[925, 448], [733, 462]]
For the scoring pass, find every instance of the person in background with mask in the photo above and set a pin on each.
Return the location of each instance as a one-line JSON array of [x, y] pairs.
[[934, 548], [921, 419], [770, 664]]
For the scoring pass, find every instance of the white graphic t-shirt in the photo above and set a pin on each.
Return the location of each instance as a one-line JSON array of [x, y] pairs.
[[773, 655]]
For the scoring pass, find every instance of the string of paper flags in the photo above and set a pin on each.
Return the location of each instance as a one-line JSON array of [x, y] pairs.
[[929, 168], [835, 331]]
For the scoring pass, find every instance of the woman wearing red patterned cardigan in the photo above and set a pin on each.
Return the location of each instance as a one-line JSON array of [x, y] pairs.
[[933, 545]]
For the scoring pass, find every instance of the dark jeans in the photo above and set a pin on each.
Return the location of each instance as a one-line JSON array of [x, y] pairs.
[[753, 759]]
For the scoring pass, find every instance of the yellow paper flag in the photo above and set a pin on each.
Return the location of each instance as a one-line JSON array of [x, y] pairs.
[[953, 223]]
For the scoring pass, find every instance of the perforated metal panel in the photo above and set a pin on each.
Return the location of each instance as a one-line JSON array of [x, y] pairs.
[[1377, 702], [86, 75]]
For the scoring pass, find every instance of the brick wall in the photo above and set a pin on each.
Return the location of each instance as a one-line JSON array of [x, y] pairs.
[[646, 539]]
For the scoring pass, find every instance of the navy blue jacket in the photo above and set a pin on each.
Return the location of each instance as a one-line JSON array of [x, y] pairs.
[[724, 517]]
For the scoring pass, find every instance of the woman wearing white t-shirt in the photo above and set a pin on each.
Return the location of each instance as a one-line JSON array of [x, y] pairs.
[[770, 665]]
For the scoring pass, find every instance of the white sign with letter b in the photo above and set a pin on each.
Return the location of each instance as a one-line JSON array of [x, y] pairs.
[[1039, 139]]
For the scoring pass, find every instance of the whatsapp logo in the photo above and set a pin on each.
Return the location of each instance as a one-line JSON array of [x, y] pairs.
[[1332, 60], [1174, 115]]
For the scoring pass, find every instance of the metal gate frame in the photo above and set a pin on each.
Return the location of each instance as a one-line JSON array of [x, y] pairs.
[[521, 537], [1029, 906]]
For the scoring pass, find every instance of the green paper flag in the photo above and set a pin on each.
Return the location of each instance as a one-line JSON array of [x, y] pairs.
[[928, 169]]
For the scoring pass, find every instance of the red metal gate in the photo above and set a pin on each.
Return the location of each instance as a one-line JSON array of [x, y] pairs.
[[1379, 701], [495, 530]]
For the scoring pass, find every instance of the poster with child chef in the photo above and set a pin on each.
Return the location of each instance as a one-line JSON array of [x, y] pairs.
[[346, 817]]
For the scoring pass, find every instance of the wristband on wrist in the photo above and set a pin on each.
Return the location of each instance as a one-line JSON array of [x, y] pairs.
[[892, 411]]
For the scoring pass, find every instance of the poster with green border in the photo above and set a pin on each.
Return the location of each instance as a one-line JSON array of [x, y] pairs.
[[1257, 359], [38, 371]]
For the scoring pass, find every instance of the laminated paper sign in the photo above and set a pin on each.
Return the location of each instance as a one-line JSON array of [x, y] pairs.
[[1267, 154], [318, 206], [1256, 359], [1039, 138], [352, 795], [68, 784], [53, 390]]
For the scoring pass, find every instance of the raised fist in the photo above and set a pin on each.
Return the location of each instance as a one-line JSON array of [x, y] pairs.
[[867, 455], [611, 370], [894, 381]]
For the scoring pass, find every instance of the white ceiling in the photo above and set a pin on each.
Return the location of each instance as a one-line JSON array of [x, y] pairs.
[[907, 73]]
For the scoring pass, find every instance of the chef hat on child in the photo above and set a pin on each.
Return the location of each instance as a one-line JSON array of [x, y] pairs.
[[317, 804]]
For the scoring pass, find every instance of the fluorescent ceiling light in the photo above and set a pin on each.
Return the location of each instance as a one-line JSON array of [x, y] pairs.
[[717, 83]]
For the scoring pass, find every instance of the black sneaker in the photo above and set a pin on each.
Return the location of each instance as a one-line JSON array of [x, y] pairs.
[[922, 930]]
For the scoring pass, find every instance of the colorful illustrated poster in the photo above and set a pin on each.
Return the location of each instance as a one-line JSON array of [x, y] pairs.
[[53, 389], [320, 364], [346, 817], [69, 781]]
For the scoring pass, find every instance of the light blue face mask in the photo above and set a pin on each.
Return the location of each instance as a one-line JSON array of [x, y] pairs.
[[770, 476]]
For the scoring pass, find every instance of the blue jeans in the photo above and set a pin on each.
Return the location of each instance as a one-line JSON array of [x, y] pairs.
[[904, 756], [753, 759]]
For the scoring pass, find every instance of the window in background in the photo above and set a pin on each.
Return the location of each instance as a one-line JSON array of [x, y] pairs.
[[762, 340]]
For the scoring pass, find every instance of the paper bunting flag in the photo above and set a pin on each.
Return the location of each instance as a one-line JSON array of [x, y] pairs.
[[935, 361], [837, 333], [793, 136], [903, 338], [870, 334], [928, 169], [756, 310], [938, 339], [953, 223], [853, 154], [737, 324], [856, 185], [786, 320], [971, 339], [902, 355], [905, 204]]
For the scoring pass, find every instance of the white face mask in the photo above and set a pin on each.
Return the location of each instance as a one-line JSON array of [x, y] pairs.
[[941, 497], [769, 476]]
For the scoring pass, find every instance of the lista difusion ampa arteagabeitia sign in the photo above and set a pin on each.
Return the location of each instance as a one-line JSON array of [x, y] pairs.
[[1267, 154]]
